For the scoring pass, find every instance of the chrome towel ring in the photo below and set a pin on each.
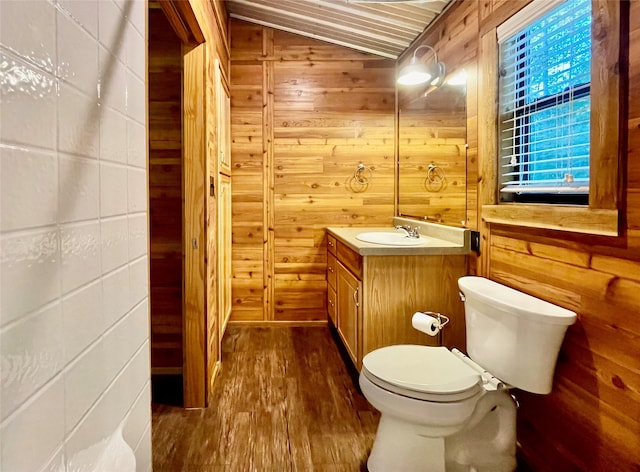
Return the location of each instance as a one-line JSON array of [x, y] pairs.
[[363, 174], [435, 174]]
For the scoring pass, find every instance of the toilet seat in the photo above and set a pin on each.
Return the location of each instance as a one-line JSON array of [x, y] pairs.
[[422, 372]]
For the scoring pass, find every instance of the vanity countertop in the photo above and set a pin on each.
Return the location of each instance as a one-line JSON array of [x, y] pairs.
[[431, 246]]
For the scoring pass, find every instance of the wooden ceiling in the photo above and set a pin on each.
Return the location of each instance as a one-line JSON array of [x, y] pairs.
[[385, 27]]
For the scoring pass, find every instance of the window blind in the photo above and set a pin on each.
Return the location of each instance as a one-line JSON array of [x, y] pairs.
[[544, 103]]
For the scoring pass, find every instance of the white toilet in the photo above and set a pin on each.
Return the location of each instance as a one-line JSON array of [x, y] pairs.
[[443, 411]]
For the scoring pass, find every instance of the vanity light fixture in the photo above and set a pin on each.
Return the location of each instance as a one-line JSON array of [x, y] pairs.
[[417, 72]]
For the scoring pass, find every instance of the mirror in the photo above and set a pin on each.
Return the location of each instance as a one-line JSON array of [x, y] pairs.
[[432, 152]]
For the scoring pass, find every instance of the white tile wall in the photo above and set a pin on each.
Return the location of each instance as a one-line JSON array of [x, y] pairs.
[[113, 176], [115, 242], [28, 442], [83, 319], [113, 132], [29, 102], [74, 334], [113, 90], [76, 46], [78, 122], [29, 30], [32, 354], [136, 136], [80, 254], [137, 236], [29, 270], [29, 188], [115, 293], [79, 180], [84, 14]]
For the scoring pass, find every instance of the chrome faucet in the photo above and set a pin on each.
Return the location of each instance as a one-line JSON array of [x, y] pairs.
[[411, 232]]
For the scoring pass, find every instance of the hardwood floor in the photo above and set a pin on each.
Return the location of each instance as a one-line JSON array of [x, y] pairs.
[[284, 402]]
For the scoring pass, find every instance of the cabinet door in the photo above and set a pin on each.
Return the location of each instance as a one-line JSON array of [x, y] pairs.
[[331, 306], [224, 125], [349, 301], [224, 251], [332, 271]]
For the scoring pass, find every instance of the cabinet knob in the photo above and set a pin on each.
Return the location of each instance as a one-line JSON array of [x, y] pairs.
[[330, 269]]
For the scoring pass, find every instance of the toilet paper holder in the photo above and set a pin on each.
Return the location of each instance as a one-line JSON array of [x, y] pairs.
[[439, 316]]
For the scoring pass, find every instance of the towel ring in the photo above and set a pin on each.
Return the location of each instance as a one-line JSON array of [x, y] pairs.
[[363, 174], [435, 174]]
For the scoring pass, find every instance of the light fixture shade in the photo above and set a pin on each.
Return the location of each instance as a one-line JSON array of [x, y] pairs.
[[414, 73]]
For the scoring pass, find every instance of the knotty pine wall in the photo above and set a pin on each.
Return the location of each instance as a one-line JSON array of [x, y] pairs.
[[304, 115], [165, 193], [591, 420]]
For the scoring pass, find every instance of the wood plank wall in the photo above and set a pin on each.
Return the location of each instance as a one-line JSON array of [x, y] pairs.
[[165, 193], [304, 115], [591, 420], [247, 181]]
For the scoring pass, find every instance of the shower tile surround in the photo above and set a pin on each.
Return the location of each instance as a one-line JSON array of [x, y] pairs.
[[74, 331]]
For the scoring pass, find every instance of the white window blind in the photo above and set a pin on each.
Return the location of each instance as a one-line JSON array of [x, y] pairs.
[[544, 101]]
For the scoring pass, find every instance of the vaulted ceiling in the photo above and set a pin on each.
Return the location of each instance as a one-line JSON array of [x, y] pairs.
[[382, 27]]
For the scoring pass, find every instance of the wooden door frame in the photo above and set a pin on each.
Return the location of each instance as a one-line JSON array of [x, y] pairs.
[[194, 193]]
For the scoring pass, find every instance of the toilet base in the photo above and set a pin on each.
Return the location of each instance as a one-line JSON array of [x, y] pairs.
[[400, 446], [486, 444]]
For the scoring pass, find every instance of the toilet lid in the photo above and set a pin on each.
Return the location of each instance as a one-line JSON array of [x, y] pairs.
[[425, 369]]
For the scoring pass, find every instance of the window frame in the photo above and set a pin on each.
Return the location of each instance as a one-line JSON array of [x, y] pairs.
[[609, 66]]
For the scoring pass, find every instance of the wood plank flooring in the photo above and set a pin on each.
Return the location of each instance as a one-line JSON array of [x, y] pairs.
[[284, 402]]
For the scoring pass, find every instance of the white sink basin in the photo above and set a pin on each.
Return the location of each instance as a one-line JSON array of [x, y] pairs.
[[390, 239]]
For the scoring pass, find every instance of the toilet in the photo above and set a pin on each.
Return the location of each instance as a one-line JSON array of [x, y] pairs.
[[442, 410]]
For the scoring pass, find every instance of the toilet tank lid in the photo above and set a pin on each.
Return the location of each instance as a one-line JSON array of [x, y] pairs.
[[519, 303]]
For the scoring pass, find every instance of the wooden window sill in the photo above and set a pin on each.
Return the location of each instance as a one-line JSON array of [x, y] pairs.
[[577, 219]]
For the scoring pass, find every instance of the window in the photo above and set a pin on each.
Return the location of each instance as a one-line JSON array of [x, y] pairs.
[[540, 101], [544, 103]]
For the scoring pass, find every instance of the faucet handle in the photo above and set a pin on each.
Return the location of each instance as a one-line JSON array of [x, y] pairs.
[[411, 232]]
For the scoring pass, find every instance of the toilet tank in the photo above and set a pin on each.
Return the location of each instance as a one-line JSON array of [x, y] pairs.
[[514, 336]]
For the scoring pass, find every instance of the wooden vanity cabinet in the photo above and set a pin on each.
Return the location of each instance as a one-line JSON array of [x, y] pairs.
[[344, 292], [371, 299]]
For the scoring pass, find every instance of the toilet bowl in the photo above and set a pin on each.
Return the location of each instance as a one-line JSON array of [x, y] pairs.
[[409, 381], [444, 411]]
